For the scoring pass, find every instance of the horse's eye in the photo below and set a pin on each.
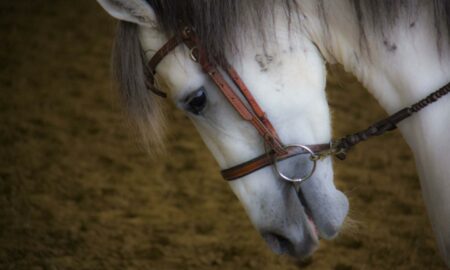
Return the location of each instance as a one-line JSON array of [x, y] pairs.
[[196, 101]]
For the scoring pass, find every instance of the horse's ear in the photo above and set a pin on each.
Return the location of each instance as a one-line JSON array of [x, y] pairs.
[[135, 11]]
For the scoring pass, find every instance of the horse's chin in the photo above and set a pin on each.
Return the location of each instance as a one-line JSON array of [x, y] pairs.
[[293, 246], [283, 246]]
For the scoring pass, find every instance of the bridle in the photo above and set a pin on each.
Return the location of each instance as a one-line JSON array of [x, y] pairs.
[[250, 111]]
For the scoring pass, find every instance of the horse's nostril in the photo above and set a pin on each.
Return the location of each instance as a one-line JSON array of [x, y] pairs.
[[279, 244]]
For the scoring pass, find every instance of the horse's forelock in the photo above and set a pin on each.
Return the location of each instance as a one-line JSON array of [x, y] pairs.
[[129, 70]]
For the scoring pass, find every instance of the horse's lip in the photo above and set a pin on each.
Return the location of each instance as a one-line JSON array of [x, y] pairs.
[[311, 225], [284, 244]]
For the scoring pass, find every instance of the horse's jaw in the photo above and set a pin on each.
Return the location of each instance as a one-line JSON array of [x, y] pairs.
[[289, 219]]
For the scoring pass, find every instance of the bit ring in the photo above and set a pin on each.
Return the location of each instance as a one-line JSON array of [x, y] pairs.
[[300, 180]]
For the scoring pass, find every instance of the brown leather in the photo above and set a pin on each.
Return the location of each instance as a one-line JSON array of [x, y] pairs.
[[278, 147], [266, 159], [270, 137], [156, 59], [169, 46]]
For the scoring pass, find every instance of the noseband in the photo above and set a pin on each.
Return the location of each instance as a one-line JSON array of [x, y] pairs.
[[250, 111]]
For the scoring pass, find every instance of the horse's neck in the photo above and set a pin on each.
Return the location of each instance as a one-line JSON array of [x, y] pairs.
[[399, 68]]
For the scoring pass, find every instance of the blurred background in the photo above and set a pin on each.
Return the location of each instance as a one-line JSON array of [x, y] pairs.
[[77, 191]]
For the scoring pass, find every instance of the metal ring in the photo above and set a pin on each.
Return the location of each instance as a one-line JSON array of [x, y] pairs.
[[296, 180], [191, 54]]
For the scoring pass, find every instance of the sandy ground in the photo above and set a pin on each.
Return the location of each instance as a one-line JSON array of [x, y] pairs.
[[78, 192]]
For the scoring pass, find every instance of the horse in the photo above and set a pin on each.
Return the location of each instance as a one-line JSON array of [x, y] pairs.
[[399, 50]]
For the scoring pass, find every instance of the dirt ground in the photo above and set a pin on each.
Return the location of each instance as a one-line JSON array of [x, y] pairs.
[[78, 192]]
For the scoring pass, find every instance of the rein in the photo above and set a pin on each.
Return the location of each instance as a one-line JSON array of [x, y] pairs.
[[250, 111], [387, 124]]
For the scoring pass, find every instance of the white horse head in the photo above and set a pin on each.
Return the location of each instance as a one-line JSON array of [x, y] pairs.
[[287, 78]]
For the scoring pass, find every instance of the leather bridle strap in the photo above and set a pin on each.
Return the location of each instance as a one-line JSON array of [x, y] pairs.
[[169, 46], [267, 159], [260, 123], [249, 97]]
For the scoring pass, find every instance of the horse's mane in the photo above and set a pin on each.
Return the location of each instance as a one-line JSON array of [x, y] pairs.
[[379, 16], [222, 24], [131, 74]]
